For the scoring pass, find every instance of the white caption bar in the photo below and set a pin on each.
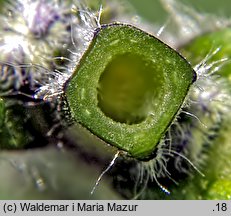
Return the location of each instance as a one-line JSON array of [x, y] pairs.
[[108, 208]]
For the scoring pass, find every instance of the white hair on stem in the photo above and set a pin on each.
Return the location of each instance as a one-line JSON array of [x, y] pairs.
[[211, 92], [83, 24], [206, 69], [156, 168], [153, 169], [105, 171]]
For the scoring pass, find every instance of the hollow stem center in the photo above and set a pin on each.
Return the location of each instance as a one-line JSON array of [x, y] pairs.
[[128, 88]]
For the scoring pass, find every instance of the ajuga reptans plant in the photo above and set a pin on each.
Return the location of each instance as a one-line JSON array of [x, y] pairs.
[[138, 110]]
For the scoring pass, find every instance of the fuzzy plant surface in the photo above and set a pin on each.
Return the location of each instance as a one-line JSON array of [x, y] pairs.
[[131, 108]]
